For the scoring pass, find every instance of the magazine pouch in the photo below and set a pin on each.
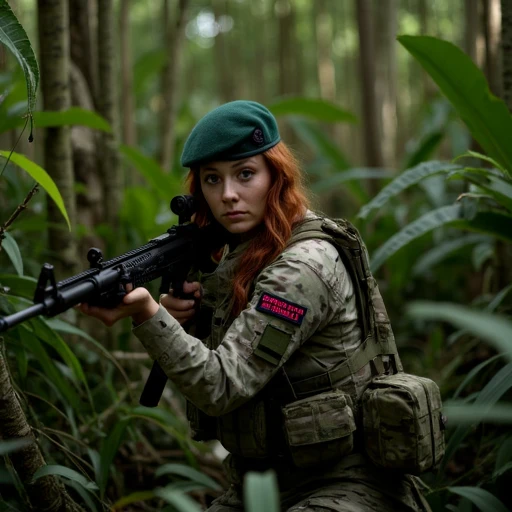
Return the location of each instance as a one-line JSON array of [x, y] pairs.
[[402, 422], [319, 429]]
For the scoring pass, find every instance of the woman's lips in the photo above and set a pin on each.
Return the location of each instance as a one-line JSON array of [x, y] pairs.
[[234, 215]]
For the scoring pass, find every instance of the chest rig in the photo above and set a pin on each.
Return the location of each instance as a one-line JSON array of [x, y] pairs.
[[253, 429]]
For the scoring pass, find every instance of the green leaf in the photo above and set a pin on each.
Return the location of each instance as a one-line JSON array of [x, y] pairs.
[[492, 223], [461, 413], [164, 184], [483, 499], [133, 498], [188, 472], [446, 248], [425, 149], [321, 144], [12, 250], [71, 474], [163, 417], [13, 35], [21, 286], [42, 177], [443, 216], [485, 158], [499, 188], [474, 372], [43, 331], [317, 109], [465, 86], [180, 501], [32, 344], [356, 174], [74, 116], [406, 179], [13, 445], [109, 450], [490, 394], [504, 455], [493, 328], [497, 300], [260, 492]]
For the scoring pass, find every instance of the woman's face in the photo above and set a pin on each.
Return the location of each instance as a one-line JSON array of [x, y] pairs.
[[236, 192]]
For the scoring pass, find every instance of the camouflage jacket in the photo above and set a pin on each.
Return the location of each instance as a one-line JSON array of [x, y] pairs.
[[304, 301]]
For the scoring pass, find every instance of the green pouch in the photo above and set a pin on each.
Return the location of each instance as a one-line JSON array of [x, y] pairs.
[[402, 422], [319, 429]]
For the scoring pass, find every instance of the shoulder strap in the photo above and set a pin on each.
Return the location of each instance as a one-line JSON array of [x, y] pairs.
[[377, 335]]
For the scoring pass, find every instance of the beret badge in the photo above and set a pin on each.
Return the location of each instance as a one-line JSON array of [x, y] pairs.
[[258, 137]]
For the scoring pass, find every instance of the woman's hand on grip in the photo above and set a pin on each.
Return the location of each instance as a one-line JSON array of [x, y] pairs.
[[182, 310], [137, 303]]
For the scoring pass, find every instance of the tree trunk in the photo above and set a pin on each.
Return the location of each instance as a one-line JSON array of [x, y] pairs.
[[46, 494], [506, 49], [54, 64], [225, 88], [386, 73], [370, 109], [492, 30], [107, 104], [81, 45], [285, 50], [127, 96], [174, 37], [325, 64]]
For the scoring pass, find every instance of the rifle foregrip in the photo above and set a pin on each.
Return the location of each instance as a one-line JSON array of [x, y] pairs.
[[154, 387]]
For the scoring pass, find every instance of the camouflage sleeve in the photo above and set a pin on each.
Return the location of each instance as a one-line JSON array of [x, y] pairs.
[[294, 297]]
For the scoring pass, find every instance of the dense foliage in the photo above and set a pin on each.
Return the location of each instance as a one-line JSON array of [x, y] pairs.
[[438, 230]]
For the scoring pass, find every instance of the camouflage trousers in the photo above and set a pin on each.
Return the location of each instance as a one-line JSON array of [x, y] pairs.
[[355, 485]]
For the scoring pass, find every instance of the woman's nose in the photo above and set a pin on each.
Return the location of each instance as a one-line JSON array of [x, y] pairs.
[[229, 192]]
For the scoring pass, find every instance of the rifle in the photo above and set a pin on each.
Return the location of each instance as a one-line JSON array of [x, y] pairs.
[[169, 256]]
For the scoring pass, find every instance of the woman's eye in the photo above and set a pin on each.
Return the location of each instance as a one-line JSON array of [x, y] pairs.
[[246, 174], [211, 178]]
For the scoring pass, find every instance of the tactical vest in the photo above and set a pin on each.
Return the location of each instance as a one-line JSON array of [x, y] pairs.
[[243, 431]]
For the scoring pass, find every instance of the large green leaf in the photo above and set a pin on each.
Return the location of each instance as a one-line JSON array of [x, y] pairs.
[[20, 286], [493, 328], [261, 492], [462, 413], [71, 474], [483, 499], [41, 176], [188, 472], [178, 499], [74, 116], [406, 179], [356, 174], [490, 394], [499, 188], [313, 108], [12, 250], [13, 35], [445, 249], [446, 215], [108, 452], [465, 86], [321, 144], [493, 223]]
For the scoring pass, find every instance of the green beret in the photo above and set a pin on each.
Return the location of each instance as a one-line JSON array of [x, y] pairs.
[[233, 131]]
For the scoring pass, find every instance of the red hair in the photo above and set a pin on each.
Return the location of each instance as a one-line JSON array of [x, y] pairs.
[[286, 205]]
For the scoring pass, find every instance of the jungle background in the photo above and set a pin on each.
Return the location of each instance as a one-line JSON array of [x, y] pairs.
[[404, 137]]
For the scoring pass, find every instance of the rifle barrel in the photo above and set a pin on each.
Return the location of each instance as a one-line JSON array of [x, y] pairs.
[[16, 318]]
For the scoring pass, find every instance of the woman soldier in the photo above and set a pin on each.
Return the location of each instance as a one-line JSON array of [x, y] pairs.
[[292, 345]]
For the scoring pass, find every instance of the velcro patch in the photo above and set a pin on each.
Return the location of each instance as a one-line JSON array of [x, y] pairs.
[[272, 345], [275, 306]]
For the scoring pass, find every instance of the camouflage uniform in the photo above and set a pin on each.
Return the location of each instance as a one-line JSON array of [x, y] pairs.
[[225, 374]]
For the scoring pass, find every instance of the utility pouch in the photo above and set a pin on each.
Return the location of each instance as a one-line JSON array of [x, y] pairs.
[[402, 422], [245, 430], [204, 427], [319, 429]]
